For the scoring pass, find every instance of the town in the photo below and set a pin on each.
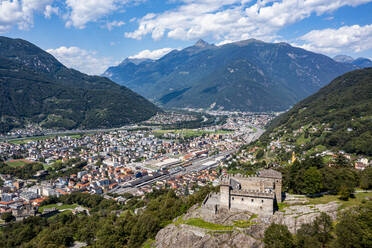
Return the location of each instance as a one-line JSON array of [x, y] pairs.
[[113, 163]]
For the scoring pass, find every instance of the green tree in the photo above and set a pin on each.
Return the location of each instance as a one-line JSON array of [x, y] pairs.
[[317, 234], [260, 154], [278, 236], [305, 237], [342, 162], [366, 179], [312, 181], [323, 227], [354, 228], [7, 217], [345, 192], [349, 232]]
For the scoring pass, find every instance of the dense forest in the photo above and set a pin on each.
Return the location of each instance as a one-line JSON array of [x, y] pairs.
[[108, 225], [338, 116], [312, 176], [36, 88]]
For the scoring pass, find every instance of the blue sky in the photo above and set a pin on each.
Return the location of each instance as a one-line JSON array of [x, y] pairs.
[[90, 35]]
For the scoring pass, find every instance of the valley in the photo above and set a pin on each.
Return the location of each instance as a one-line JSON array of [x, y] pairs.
[[192, 123]]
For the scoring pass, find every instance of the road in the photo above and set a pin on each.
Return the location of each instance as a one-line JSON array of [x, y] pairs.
[[253, 136]]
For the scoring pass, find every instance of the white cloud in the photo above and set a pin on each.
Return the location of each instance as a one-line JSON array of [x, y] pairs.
[[224, 42], [113, 24], [49, 11], [84, 11], [331, 41], [154, 54], [232, 19], [20, 12], [82, 60]]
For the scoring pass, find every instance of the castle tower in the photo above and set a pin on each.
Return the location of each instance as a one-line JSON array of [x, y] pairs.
[[278, 190], [225, 195], [276, 177]]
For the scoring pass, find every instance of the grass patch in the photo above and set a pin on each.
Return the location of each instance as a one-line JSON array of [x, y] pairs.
[[47, 166], [302, 140], [353, 201], [39, 138], [18, 162], [327, 159], [322, 199], [356, 200], [206, 225], [179, 221], [148, 243], [254, 129], [244, 223], [282, 206], [62, 207], [220, 232]]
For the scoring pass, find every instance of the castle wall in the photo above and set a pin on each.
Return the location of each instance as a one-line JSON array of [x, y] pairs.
[[255, 194], [252, 184], [254, 204], [255, 183]]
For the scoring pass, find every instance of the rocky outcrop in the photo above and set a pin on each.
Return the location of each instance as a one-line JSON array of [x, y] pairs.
[[295, 216], [181, 234], [185, 236]]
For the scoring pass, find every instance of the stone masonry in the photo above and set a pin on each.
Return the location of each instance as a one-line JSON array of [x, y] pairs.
[[256, 194]]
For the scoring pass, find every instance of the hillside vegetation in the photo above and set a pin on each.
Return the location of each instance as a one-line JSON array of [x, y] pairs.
[[36, 88], [339, 116]]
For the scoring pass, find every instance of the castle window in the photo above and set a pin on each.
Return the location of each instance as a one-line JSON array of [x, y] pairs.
[[262, 201], [242, 199], [252, 200], [233, 198]]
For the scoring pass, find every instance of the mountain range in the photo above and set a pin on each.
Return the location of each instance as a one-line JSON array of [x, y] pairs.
[[359, 62], [248, 75], [337, 116], [37, 88]]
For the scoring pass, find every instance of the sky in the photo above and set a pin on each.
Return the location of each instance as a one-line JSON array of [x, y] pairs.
[[91, 35]]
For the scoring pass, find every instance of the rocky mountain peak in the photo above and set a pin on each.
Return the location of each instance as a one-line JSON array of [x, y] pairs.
[[201, 43], [135, 61]]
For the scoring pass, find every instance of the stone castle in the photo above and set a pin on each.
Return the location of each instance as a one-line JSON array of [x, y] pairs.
[[256, 194]]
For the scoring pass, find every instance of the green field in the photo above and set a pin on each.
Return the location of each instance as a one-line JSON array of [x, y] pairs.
[[17, 163], [64, 206], [27, 140], [189, 132]]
